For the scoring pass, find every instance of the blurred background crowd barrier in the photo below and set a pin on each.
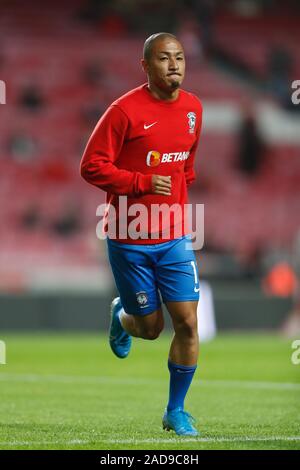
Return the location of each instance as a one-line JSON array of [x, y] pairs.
[[63, 62]]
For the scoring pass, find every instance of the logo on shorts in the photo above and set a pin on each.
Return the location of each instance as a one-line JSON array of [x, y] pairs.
[[142, 299], [192, 121]]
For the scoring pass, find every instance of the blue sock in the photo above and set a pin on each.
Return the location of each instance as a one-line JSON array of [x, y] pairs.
[[180, 381]]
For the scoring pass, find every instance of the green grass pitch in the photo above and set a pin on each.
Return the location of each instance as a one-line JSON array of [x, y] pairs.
[[68, 391]]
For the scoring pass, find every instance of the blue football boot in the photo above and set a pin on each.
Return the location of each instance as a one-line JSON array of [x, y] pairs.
[[179, 421], [119, 339]]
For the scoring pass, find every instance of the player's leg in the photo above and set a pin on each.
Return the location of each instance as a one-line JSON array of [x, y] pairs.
[[146, 327], [124, 326], [183, 355], [182, 365], [178, 281], [185, 344]]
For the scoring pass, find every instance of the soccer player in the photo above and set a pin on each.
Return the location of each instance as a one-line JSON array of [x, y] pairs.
[[143, 149]]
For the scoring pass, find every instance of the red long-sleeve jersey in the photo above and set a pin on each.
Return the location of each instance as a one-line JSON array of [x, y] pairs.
[[138, 136]]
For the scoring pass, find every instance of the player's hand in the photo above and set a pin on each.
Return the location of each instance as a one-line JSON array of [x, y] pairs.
[[161, 185]]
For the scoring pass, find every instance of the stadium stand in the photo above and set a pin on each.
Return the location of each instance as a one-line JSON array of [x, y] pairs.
[[52, 50]]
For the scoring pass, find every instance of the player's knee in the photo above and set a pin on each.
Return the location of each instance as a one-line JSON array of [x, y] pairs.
[[152, 332], [152, 335], [151, 326], [187, 326]]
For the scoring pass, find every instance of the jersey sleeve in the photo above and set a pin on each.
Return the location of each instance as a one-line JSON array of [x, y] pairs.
[[98, 163], [189, 171]]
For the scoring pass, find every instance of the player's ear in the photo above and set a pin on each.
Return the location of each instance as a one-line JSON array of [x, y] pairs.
[[145, 66]]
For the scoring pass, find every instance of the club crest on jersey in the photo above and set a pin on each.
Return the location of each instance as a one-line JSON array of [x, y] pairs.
[[192, 121], [142, 298]]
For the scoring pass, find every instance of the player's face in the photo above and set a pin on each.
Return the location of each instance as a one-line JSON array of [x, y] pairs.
[[166, 66]]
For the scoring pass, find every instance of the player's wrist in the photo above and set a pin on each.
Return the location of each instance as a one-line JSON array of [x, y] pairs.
[[147, 184]]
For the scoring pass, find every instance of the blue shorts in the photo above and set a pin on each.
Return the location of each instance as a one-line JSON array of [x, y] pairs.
[[142, 272]]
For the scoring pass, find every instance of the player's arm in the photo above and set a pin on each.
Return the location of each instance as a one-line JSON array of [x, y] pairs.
[[189, 171], [103, 148]]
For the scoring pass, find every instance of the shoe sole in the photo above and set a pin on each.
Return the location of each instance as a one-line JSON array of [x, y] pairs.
[[167, 428]]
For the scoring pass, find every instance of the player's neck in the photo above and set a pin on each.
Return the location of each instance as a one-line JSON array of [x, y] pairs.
[[164, 95]]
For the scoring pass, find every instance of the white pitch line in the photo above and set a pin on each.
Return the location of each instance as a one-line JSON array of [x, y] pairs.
[[176, 440], [205, 439], [7, 377]]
